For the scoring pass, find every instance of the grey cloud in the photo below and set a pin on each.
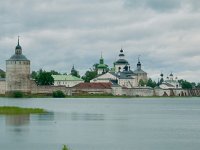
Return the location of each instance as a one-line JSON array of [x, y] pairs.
[[157, 5], [163, 6], [55, 34]]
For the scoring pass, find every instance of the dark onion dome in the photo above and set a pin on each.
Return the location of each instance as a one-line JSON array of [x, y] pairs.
[[18, 46], [161, 75], [171, 75], [18, 57], [18, 54], [122, 61], [121, 55]]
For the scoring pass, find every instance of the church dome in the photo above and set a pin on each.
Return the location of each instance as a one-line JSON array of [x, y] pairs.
[[18, 57], [18, 54], [18, 47], [103, 66], [121, 61]]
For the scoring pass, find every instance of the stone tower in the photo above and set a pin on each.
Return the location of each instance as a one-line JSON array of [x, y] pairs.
[[18, 72]]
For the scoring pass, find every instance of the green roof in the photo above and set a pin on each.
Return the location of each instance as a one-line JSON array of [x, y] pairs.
[[102, 66], [66, 78]]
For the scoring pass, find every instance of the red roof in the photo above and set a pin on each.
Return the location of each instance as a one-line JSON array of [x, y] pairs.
[[93, 86]]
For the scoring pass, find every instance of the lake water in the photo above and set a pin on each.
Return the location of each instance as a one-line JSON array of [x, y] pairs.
[[103, 124]]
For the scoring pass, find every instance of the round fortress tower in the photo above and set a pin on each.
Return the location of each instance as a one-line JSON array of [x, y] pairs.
[[18, 72]]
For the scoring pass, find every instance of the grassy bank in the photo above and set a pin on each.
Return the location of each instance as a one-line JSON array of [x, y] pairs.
[[8, 110]]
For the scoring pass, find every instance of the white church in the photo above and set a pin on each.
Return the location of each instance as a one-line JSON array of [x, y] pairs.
[[121, 74]]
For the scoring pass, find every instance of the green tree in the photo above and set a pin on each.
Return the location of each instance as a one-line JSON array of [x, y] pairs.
[[58, 94], [44, 78], [53, 72], [151, 83], [198, 85], [33, 74], [185, 84], [89, 75], [95, 66], [65, 147], [17, 94], [193, 84], [141, 82], [2, 74]]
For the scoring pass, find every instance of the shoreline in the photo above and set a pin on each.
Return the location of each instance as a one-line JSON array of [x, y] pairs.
[[94, 96]]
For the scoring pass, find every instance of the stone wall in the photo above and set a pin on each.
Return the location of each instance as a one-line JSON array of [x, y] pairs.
[[91, 91], [117, 90], [171, 92], [2, 87], [194, 92], [138, 92], [35, 89]]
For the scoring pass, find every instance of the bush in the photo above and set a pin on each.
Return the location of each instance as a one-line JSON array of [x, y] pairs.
[[17, 94], [58, 94], [65, 147]]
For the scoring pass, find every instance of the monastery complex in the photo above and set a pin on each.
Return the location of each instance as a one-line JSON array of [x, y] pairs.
[[119, 80]]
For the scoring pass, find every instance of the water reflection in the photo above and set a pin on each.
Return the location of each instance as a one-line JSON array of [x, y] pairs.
[[49, 116], [17, 120], [87, 117], [73, 116], [17, 124]]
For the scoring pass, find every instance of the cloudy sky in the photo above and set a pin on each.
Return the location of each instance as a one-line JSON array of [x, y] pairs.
[[55, 34]]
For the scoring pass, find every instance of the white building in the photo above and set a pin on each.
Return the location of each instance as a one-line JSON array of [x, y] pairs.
[[170, 82], [122, 75], [66, 80]]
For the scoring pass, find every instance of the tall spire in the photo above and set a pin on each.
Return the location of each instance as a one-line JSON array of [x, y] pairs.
[[73, 67], [101, 61], [18, 49], [138, 58], [139, 64], [18, 41]]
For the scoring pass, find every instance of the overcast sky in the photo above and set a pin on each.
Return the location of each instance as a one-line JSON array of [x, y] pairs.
[[55, 34]]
